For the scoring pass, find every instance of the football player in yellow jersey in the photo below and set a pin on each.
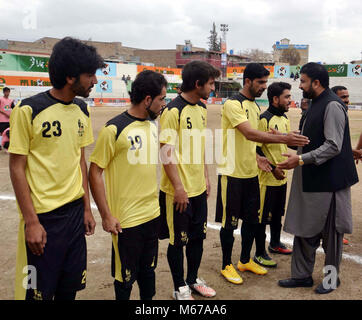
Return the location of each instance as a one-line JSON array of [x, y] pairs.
[[49, 174], [184, 179], [127, 150], [273, 185], [238, 195]]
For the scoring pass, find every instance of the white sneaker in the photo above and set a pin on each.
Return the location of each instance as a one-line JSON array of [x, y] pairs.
[[201, 288], [183, 293]]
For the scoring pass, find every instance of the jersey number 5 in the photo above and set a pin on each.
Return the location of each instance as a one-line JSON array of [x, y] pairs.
[[46, 125]]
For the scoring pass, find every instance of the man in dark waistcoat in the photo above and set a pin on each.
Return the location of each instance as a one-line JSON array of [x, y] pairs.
[[320, 198]]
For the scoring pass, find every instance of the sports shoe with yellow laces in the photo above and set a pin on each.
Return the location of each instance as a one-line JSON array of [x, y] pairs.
[[253, 267], [231, 275]]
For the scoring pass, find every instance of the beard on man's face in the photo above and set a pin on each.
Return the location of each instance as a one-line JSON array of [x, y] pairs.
[[256, 93], [309, 94], [80, 91]]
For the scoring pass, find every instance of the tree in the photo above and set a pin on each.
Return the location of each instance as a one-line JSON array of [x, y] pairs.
[[214, 44], [290, 56], [256, 55]]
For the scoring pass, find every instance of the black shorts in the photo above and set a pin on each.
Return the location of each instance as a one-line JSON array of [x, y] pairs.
[[180, 227], [237, 199], [272, 205], [135, 251], [62, 266], [4, 126]]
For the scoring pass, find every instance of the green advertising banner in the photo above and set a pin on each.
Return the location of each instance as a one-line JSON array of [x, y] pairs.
[[129, 86], [13, 62], [172, 87], [8, 62], [295, 69], [33, 64], [337, 70]]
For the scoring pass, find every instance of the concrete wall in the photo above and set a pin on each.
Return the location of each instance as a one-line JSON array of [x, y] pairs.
[[45, 45], [160, 58]]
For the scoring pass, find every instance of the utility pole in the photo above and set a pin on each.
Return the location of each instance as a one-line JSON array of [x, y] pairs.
[[224, 28]]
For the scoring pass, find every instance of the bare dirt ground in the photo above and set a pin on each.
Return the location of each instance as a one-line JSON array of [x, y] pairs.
[[100, 282]]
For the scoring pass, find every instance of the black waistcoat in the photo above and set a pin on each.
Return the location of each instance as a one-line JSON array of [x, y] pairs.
[[337, 173]]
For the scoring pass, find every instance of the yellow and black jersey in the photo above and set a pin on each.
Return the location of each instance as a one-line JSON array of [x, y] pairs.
[[183, 125], [239, 153], [127, 150], [51, 134], [276, 119]]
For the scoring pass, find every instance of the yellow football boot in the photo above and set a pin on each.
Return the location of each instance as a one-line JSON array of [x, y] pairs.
[[231, 275], [253, 267]]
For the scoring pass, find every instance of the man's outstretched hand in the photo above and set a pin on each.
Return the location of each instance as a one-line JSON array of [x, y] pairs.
[[290, 163]]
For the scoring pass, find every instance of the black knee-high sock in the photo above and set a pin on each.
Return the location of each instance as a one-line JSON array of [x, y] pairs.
[[275, 229], [194, 250], [121, 291], [227, 242], [175, 257], [248, 231], [146, 280], [260, 239]]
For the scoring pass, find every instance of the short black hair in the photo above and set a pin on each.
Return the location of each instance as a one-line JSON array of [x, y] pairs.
[[276, 90], [6, 89], [316, 71], [197, 71], [71, 58], [335, 89], [147, 83], [255, 71]]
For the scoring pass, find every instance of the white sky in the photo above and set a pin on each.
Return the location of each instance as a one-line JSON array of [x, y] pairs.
[[332, 28]]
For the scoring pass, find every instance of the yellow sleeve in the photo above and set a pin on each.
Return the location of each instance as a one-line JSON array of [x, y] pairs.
[[20, 130], [87, 138], [170, 126], [234, 112], [105, 147], [288, 125], [262, 126]]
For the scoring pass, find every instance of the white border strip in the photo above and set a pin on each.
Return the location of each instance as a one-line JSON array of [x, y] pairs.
[[285, 239]]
